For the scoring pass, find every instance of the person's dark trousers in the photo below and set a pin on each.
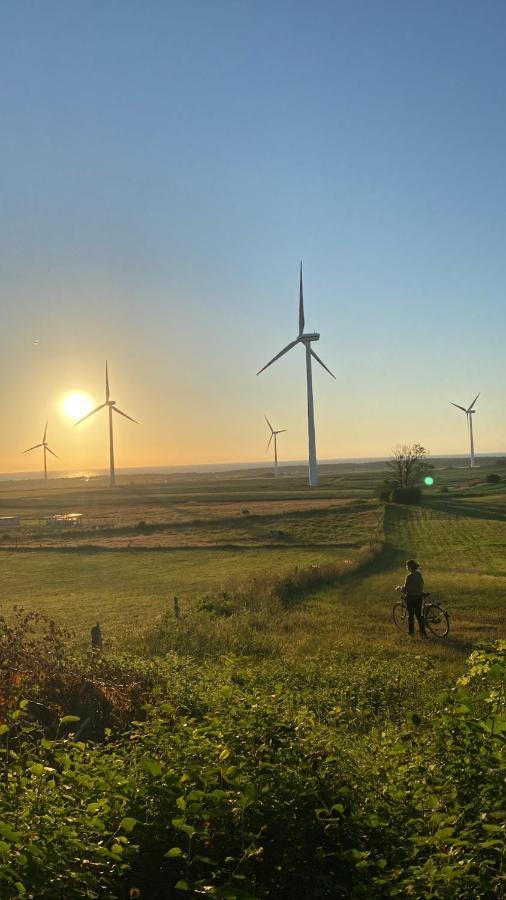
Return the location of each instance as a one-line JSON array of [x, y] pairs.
[[414, 605]]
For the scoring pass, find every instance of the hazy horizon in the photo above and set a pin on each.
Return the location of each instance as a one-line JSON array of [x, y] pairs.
[[221, 466]]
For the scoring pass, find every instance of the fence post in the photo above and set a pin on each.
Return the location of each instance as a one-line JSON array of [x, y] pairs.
[[96, 637]]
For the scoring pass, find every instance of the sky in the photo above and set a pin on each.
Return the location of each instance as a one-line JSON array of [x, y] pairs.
[[165, 166]]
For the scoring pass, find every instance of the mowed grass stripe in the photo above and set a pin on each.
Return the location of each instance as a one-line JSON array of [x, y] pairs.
[[447, 541]]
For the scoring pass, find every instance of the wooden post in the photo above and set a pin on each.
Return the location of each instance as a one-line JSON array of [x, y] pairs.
[[176, 608], [96, 637]]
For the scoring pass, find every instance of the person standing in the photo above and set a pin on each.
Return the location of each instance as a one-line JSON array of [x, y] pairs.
[[412, 590]]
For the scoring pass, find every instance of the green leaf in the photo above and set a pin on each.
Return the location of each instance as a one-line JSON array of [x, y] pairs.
[[173, 852], [496, 671], [443, 834], [182, 886], [69, 720], [249, 791], [8, 832], [152, 766], [128, 824]]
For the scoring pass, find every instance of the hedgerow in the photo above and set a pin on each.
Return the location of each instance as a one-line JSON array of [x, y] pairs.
[[327, 778]]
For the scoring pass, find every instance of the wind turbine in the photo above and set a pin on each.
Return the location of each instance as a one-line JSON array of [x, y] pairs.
[[111, 405], [469, 415], [307, 340], [274, 434], [47, 449]]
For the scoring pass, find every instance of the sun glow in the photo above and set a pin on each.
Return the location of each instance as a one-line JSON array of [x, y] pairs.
[[77, 404]]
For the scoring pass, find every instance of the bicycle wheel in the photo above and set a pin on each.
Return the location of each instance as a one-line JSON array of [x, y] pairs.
[[436, 620], [400, 615]]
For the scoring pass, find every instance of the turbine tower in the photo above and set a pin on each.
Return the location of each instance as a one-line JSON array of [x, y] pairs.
[[47, 449], [274, 434], [469, 415], [306, 340], [111, 405]]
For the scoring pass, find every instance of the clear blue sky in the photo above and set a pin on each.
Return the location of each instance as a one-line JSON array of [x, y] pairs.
[[165, 166]]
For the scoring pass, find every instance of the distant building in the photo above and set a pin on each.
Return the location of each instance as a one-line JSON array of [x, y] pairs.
[[70, 520], [7, 521]]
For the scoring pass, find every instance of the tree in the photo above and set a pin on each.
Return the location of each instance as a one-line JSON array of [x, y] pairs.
[[409, 466]]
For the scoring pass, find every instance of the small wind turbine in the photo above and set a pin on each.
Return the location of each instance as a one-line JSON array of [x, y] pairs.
[[47, 449], [307, 340], [274, 434], [469, 415], [111, 405]]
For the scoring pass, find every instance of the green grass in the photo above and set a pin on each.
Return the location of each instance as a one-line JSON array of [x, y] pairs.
[[126, 589], [458, 537]]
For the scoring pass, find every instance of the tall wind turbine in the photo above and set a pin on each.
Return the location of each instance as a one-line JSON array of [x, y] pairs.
[[111, 405], [306, 340], [274, 434], [47, 449], [469, 415]]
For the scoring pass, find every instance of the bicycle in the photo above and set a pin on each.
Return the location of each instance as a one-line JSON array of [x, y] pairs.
[[434, 616]]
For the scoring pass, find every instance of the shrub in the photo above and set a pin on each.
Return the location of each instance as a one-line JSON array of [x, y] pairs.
[[38, 664], [493, 478], [411, 496], [384, 490], [277, 779]]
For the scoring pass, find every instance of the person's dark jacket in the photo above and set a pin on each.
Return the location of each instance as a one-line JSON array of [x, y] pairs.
[[413, 586]]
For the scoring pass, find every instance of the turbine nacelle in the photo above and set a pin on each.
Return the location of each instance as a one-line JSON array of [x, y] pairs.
[[306, 338]]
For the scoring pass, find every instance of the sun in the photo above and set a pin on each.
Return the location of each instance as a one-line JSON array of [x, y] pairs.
[[77, 404]]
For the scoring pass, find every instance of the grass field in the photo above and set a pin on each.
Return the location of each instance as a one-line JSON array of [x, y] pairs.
[[144, 542]]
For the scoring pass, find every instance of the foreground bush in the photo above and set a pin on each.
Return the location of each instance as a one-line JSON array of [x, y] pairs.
[[319, 779]]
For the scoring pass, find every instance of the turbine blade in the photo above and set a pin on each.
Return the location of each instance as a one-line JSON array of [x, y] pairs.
[[51, 452], [107, 392], [33, 448], [45, 433], [269, 424], [92, 413], [115, 409], [269, 444], [301, 304], [281, 431], [281, 353], [322, 363], [469, 408], [458, 407]]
